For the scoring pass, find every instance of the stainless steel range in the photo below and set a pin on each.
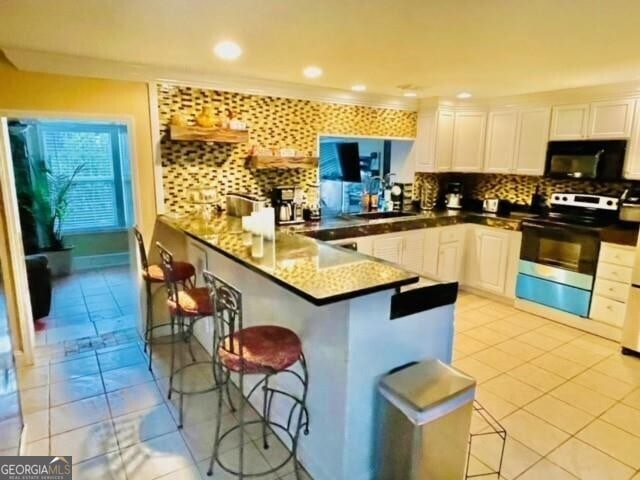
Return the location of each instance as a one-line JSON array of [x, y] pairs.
[[560, 250]]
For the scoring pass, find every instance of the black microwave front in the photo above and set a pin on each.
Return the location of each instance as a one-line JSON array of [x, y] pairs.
[[586, 159]]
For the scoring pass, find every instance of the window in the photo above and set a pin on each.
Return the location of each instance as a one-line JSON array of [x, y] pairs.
[[100, 198]]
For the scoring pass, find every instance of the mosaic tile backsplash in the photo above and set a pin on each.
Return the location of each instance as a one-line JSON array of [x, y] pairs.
[[516, 188], [272, 121]]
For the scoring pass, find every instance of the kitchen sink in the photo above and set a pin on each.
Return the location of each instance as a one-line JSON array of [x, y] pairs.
[[381, 215]]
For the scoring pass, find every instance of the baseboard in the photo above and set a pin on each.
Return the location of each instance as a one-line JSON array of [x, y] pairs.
[[585, 324], [88, 262], [22, 446]]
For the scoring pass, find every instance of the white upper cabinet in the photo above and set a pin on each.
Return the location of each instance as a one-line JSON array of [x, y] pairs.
[[422, 152], [517, 141], [532, 139], [597, 120], [611, 119], [468, 141], [569, 122], [444, 140], [502, 129]]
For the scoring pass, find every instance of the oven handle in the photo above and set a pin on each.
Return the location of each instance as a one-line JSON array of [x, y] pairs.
[[541, 227], [559, 229]]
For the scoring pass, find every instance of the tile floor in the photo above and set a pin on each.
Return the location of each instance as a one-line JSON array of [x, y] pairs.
[[112, 415], [569, 401], [88, 304]]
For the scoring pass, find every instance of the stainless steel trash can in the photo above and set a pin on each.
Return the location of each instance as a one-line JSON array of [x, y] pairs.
[[424, 425]]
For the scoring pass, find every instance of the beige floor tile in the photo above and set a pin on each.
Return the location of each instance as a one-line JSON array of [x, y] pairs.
[[579, 355], [597, 345], [538, 340], [76, 389], [512, 390], [480, 371], [104, 467], [497, 406], [517, 457], [497, 359], [126, 377], [38, 449], [545, 470], [31, 377], [34, 399], [37, 425], [528, 320], [120, 358], [624, 417], [156, 457], [470, 302], [621, 367], [508, 328], [85, 442], [78, 414], [588, 463], [536, 377], [79, 367], [468, 345], [583, 398], [199, 437], [187, 473], [559, 413], [138, 397], [457, 355], [558, 365], [519, 349], [253, 462], [603, 384], [633, 399], [144, 425], [559, 332], [497, 310], [486, 335], [615, 442], [533, 432], [475, 467], [276, 455]]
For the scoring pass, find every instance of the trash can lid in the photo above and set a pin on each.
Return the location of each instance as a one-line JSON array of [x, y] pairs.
[[428, 390]]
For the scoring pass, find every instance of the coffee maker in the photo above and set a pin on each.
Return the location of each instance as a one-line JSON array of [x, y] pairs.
[[453, 196], [287, 202]]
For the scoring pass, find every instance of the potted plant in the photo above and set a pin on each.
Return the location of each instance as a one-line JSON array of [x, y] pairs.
[[49, 205]]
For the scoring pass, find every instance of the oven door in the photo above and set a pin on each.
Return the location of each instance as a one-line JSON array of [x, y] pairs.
[[566, 248]]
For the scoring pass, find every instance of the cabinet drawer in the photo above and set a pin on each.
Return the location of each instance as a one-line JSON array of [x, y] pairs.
[[617, 255], [617, 273], [608, 311], [615, 290], [450, 234]]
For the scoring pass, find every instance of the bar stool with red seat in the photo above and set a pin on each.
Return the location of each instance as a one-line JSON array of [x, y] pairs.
[[184, 273], [266, 351], [186, 307]]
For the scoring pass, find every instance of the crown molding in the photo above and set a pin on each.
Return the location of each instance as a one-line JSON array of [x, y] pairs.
[[61, 64]]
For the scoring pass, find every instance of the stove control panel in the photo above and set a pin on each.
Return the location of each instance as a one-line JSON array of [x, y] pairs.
[[599, 202]]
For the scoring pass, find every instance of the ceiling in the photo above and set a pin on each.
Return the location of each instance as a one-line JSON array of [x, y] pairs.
[[487, 47]]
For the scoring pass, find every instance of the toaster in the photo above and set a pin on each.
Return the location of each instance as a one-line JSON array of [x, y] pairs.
[[490, 205]]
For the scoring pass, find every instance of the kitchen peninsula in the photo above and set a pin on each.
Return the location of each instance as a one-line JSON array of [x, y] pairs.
[[354, 322]]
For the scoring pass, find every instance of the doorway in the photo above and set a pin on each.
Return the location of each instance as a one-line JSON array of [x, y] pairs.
[[73, 185]]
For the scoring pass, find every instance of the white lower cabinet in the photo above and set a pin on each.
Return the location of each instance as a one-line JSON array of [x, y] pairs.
[[450, 261], [388, 248], [491, 259]]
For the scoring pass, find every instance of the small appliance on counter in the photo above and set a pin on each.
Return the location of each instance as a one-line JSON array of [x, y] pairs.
[[630, 205], [243, 204], [287, 202], [312, 211], [453, 196], [490, 205]]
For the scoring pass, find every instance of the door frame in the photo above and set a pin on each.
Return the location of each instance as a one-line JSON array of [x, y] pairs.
[[24, 318]]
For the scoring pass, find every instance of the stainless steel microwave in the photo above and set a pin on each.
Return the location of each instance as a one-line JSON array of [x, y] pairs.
[[586, 159]]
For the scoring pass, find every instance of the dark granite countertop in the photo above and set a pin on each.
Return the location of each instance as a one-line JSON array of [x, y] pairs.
[[319, 272], [349, 226]]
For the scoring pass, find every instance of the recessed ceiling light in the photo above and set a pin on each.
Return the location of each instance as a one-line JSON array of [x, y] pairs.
[[227, 50], [312, 71], [463, 95], [410, 94], [359, 88]]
